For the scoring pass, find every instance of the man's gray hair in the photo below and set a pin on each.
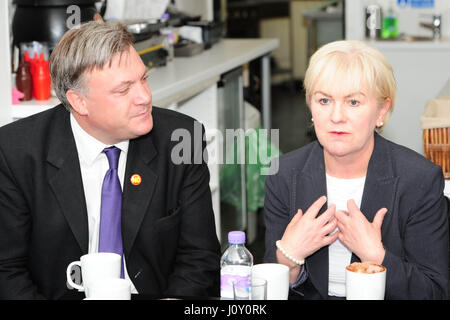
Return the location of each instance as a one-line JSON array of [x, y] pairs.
[[84, 49]]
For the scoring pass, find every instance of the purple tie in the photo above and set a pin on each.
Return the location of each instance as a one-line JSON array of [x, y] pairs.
[[110, 239]]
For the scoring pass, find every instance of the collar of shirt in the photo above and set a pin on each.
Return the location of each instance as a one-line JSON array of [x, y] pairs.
[[89, 148]]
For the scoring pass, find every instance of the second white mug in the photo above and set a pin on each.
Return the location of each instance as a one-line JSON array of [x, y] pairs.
[[365, 286], [277, 277]]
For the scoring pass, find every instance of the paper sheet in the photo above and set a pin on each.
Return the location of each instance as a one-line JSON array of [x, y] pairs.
[[135, 9]]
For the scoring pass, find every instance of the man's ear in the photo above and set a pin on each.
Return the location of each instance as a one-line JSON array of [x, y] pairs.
[[77, 101]]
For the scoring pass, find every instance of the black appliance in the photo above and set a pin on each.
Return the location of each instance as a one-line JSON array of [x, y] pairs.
[[46, 20], [211, 31]]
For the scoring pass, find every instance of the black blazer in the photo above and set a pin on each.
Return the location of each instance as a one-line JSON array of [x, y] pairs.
[[414, 230], [169, 235]]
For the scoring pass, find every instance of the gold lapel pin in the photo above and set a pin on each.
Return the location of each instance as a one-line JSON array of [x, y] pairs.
[[136, 179]]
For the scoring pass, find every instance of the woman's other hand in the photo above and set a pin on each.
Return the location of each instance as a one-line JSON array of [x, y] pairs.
[[359, 235]]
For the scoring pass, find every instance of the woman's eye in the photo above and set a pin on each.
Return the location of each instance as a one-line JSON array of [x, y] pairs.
[[354, 103], [324, 101]]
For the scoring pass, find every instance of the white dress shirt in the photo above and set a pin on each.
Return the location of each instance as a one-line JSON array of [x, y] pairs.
[[93, 165], [338, 192]]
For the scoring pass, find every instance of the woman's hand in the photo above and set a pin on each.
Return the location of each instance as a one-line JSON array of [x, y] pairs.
[[307, 233], [359, 235]]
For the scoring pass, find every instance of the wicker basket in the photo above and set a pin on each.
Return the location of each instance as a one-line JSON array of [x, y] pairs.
[[435, 123], [436, 145]]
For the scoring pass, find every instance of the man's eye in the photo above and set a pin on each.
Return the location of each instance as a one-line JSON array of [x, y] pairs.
[[122, 91]]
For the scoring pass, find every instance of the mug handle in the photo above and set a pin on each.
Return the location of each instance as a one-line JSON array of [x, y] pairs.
[[69, 278]]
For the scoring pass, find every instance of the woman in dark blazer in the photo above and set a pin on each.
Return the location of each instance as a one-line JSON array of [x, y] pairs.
[[353, 195]]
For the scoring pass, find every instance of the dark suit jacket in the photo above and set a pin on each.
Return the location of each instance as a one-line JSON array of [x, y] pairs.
[[414, 230], [169, 235]]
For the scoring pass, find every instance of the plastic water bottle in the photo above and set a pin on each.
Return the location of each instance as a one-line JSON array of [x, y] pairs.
[[235, 265]]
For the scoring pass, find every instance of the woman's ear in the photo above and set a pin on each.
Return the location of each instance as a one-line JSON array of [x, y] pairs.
[[383, 111]]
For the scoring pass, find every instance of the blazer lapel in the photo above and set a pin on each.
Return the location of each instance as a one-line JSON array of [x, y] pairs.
[[380, 185], [64, 177], [310, 184], [136, 198]]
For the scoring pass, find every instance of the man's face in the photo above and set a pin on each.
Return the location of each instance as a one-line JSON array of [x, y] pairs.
[[118, 103]]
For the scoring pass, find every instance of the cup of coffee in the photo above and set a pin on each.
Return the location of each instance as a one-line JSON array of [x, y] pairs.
[[365, 281], [277, 277], [110, 289], [95, 266]]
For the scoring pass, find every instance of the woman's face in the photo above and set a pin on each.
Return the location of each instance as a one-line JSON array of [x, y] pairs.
[[345, 121]]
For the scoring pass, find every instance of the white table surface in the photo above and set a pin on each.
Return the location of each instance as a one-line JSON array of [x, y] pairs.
[[424, 45]]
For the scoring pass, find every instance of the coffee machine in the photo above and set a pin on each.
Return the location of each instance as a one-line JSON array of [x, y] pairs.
[[47, 20]]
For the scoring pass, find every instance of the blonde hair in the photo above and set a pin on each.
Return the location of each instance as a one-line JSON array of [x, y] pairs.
[[82, 49], [351, 65]]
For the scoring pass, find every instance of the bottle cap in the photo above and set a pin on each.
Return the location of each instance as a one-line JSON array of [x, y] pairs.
[[236, 237]]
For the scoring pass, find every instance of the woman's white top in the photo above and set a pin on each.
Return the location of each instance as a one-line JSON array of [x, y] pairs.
[[339, 191]]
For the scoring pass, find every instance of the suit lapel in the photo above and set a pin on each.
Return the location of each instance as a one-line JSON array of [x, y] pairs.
[[64, 176], [136, 198], [380, 185], [310, 184]]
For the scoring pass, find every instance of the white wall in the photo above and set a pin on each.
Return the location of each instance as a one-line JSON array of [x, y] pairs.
[[408, 18], [5, 65]]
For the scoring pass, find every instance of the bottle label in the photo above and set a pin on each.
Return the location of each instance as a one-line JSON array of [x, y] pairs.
[[231, 273]]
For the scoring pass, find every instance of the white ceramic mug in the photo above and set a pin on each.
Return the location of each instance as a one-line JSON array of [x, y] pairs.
[[365, 286], [277, 277], [95, 266], [110, 289]]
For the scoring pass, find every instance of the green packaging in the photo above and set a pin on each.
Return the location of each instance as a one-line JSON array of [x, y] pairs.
[[389, 27]]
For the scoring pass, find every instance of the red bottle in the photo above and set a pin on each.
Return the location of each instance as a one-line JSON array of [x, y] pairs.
[[41, 79], [32, 62]]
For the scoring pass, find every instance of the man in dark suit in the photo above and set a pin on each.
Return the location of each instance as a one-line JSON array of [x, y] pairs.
[[52, 167]]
